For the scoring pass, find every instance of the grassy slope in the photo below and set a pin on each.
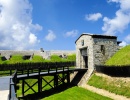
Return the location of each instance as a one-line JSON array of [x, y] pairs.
[[37, 58], [122, 57], [76, 93], [115, 86]]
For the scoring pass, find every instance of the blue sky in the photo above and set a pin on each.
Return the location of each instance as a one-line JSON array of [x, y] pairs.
[[56, 24]]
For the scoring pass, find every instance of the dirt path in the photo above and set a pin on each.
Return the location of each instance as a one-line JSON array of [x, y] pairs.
[[105, 93]]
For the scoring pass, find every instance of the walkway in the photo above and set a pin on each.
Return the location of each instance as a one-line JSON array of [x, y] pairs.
[[4, 87], [105, 93]]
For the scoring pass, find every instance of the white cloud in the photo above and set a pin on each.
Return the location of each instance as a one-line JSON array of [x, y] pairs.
[[16, 27], [93, 17], [50, 36], [120, 22], [72, 33], [32, 39], [123, 43]]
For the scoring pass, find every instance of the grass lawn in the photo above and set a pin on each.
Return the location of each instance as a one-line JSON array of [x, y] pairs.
[[62, 92], [76, 93], [114, 85], [66, 93]]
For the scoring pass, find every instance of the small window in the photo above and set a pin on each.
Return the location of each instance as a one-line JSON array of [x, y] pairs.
[[82, 42], [103, 49]]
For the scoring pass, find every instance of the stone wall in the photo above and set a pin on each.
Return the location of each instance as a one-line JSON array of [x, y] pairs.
[[99, 49], [45, 54], [88, 44], [103, 49]]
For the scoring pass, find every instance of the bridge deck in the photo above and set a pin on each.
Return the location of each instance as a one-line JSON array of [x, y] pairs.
[[31, 75], [4, 87]]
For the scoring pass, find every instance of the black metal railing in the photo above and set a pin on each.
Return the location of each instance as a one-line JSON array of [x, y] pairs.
[[12, 87]]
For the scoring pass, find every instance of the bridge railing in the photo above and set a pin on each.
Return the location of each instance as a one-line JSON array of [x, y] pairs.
[[12, 87], [35, 66], [46, 67], [29, 68]]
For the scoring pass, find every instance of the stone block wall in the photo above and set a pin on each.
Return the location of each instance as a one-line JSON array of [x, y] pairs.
[[46, 54], [99, 49], [109, 46], [88, 44]]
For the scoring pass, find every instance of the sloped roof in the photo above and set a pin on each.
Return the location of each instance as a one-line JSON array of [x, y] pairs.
[[98, 36]]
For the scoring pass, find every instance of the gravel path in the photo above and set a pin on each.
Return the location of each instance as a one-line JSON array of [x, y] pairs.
[[105, 93]]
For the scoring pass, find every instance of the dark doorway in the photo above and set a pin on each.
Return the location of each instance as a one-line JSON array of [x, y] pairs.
[[85, 61]]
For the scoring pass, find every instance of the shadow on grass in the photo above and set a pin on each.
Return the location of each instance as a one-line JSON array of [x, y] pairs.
[[46, 93]]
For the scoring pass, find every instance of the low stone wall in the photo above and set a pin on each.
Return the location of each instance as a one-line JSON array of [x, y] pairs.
[[46, 54]]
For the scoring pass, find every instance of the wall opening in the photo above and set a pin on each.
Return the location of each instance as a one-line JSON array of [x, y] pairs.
[[103, 49], [84, 58]]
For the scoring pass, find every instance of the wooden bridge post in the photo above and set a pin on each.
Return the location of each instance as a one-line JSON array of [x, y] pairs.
[[40, 84], [23, 87], [55, 80], [68, 77]]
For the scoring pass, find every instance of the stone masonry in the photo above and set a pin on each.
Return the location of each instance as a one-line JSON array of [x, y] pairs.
[[45, 54], [94, 50]]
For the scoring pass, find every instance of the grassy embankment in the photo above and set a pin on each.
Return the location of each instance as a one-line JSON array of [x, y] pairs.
[[119, 86], [122, 57], [37, 58], [69, 94]]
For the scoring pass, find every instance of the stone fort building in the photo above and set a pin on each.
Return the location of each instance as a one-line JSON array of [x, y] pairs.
[[92, 49]]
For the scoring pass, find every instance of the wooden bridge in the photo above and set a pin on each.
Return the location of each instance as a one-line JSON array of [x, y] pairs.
[[60, 73]]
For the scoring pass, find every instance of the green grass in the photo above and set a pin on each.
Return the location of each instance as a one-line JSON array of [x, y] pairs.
[[65, 92], [122, 57], [76, 93], [36, 58], [115, 86], [35, 87], [72, 57]]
